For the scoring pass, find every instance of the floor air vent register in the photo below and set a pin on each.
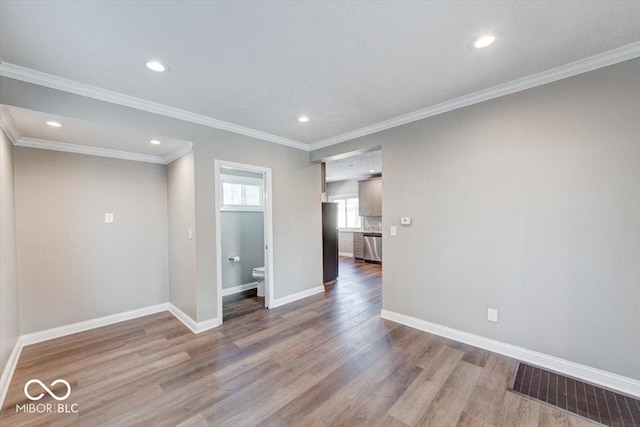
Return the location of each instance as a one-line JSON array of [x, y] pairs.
[[586, 400]]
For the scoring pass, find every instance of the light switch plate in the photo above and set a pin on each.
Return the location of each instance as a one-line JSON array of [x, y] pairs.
[[405, 220], [108, 218], [393, 230], [492, 315]]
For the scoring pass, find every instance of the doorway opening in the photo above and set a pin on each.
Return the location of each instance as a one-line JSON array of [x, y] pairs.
[[244, 233], [352, 212]]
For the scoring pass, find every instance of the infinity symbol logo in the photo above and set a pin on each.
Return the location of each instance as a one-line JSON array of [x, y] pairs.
[[47, 389]]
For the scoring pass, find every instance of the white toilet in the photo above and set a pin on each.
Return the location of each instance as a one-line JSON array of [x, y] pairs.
[[258, 276]]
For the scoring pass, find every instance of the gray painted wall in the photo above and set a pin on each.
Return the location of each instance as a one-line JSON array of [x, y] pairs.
[[9, 322], [296, 186], [182, 250], [296, 213], [530, 204], [243, 236], [71, 265]]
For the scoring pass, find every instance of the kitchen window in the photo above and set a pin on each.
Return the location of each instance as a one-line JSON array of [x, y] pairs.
[[240, 193], [348, 217]]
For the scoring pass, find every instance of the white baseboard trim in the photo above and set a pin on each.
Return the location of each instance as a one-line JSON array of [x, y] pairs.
[[73, 328], [195, 327], [239, 288], [295, 297], [61, 331], [9, 369], [349, 254], [596, 376]]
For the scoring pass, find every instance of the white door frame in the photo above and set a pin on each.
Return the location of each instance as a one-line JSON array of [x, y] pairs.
[[268, 228]]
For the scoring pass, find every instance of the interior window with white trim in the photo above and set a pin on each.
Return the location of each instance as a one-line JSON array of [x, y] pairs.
[[241, 193], [348, 216]]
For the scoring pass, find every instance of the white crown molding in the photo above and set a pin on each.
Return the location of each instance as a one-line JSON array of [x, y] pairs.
[[43, 79], [576, 370], [8, 125], [591, 63], [101, 152], [91, 151], [178, 153], [604, 59]]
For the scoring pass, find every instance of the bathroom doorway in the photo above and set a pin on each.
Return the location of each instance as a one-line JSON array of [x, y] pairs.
[[243, 238]]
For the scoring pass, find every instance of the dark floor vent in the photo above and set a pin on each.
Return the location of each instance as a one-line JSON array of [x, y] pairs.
[[589, 401]]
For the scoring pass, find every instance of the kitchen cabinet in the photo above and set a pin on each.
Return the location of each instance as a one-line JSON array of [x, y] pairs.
[[376, 189], [358, 245], [370, 197], [364, 198]]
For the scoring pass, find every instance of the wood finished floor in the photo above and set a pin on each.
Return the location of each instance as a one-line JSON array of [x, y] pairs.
[[323, 361], [241, 304]]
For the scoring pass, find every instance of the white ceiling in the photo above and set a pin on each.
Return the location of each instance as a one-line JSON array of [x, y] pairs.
[[347, 65], [355, 167], [29, 128]]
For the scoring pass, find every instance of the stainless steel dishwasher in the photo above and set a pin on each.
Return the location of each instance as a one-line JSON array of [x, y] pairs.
[[373, 247]]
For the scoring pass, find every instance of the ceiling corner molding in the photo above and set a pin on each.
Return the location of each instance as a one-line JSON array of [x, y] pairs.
[[178, 153], [8, 125], [591, 63], [54, 82], [91, 151]]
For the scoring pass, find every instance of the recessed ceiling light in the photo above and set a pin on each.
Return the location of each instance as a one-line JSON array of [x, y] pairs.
[[303, 119], [372, 170], [155, 142], [484, 40], [157, 66], [54, 124]]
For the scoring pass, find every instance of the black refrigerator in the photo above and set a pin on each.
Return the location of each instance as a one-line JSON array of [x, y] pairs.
[[330, 241]]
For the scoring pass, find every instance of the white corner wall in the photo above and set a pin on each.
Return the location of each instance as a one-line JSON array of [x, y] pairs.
[[182, 249]]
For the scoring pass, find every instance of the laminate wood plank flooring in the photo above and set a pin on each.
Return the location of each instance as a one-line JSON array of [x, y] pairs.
[[326, 360], [241, 304]]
